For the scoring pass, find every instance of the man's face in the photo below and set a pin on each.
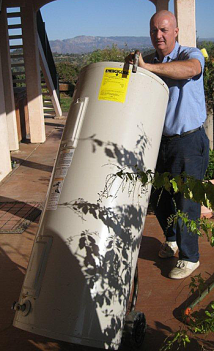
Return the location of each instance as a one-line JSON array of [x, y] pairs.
[[163, 32]]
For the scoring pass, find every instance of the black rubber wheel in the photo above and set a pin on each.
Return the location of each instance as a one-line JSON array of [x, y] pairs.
[[134, 330]]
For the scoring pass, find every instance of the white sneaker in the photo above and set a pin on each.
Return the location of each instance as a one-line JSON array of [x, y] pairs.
[[183, 269], [168, 249]]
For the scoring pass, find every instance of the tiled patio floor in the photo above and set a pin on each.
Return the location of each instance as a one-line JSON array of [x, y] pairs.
[[15, 217], [161, 299]]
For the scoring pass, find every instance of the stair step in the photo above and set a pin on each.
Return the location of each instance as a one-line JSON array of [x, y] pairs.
[[11, 37], [15, 56], [14, 26], [48, 108], [13, 14], [18, 73], [16, 47], [18, 80], [49, 114], [19, 64]]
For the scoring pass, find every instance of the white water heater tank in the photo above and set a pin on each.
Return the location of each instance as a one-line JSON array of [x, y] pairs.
[[83, 260]]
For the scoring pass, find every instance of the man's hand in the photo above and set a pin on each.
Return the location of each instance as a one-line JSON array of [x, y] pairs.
[[130, 59], [141, 62]]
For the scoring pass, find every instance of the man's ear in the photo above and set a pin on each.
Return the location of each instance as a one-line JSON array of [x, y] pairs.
[[176, 32]]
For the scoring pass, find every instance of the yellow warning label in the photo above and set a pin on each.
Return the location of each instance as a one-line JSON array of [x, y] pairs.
[[114, 84]]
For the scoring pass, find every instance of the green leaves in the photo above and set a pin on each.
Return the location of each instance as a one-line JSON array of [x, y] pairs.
[[179, 339], [67, 72], [200, 191], [210, 169], [197, 283], [203, 193], [174, 185], [209, 189], [108, 54]]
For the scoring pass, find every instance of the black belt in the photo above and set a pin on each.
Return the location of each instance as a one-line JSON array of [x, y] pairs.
[[170, 137]]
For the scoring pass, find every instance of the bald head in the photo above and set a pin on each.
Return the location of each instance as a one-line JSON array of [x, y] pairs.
[[165, 14]]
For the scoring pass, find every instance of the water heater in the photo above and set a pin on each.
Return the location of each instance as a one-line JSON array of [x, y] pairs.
[[83, 260]]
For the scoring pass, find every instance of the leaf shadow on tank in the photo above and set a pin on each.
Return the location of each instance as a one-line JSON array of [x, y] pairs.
[[108, 271], [12, 278], [123, 156], [65, 305], [108, 256]]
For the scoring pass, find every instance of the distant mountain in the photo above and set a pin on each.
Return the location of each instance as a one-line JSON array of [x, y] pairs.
[[84, 44], [205, 39]]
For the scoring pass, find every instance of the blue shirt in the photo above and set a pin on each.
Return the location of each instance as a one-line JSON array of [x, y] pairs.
[[186, 107]]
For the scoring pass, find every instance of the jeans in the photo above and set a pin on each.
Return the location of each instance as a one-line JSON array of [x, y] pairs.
[[189, 154]]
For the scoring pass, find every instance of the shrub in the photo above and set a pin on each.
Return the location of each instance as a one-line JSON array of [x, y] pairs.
[[210, 169]]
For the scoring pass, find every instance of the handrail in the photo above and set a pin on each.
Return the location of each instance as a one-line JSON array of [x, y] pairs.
[[47, 51]]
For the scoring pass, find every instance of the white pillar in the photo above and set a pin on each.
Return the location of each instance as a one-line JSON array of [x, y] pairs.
[[8, 83], [185, 14], [32, 72], [5, 162]]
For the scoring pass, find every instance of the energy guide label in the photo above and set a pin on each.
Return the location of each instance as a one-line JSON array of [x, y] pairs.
[[62, 166], [114, 84]]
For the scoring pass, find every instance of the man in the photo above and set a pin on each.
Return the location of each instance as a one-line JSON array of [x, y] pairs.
[[184, 145]]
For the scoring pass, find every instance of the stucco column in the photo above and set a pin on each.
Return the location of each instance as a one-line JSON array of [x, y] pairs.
[[5, 162], [185, 14], [32, 72], [8, 83], [160, 4]]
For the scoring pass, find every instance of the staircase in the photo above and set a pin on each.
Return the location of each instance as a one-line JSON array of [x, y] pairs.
[[49, 78], [16, 47], [48, 107]]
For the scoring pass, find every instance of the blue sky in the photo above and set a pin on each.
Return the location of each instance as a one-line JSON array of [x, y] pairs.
[[69, 18]]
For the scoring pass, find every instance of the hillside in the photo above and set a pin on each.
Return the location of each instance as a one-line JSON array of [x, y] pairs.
[[85, 44]]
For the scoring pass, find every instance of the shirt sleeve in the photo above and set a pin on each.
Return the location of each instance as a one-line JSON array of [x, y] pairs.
[[192, 53]]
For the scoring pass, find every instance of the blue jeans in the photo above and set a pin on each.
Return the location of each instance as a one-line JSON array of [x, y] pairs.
[[189, 154]]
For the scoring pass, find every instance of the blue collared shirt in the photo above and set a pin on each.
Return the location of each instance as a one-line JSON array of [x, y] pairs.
[[186, 107]]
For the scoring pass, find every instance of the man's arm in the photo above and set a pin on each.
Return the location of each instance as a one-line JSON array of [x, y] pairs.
[[174, 70]]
